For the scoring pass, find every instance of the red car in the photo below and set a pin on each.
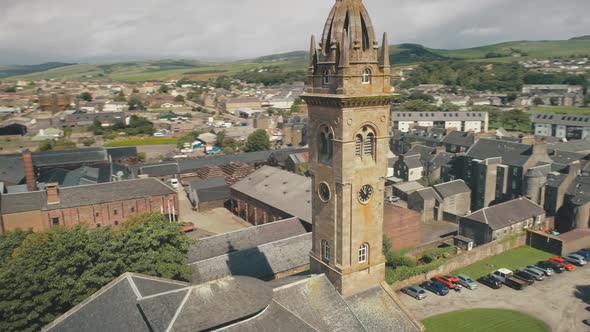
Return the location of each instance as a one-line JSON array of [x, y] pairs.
[[447, 280], [562, 262]]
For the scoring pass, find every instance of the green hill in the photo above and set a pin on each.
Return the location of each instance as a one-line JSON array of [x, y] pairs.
[[400, 55]]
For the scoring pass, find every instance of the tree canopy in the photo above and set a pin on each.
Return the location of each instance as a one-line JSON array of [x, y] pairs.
[[258, 141], [42, 275]]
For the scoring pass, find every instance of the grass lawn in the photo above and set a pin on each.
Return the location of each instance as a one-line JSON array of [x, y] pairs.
[[512, 260], [482, 320], [563, 110], [142, 141]]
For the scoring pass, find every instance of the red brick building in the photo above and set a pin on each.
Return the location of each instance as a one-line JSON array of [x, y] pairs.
[[100, 205], [401, 226]]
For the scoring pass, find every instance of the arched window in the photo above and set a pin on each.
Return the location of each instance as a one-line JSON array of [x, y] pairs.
[[326, 77], [326, 250], [367, 76], [326, 144], [369, 145], [363, 253], [358, 145]]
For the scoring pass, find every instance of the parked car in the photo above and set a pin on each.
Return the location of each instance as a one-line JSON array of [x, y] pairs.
[[447, 280], [467, 282], [490, 282], [584, 253], [553, 266], [575, 259], [566, 265], [435, 287], [507, 278], [416, 292], [525, 276], [539, 275], [545, 267], [174, 183]]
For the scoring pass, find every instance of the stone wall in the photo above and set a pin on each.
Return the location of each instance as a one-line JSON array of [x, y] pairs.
[[464, 259], [401, 226]]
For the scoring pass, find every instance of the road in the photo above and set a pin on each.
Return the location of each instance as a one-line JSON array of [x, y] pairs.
[[560, 301]]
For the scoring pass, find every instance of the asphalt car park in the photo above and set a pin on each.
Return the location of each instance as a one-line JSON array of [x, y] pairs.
[[560, 300]]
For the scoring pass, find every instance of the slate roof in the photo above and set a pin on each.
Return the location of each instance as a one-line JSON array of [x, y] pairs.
[[441, 159], [245, 239], [579, 191], [160, 169], [122, 152], [452, 188], [507, 214], [412, 161], [561, 119], [428, 194], [513, 154], [114, 307], [11, 169], [211, 189], [571, 146], [426, 153], [261, 262], [565, 157], [187, 165], [86, 195], [459, 138], [285, 191], [409, 187]]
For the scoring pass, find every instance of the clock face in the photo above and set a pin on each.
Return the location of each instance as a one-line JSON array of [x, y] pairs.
[[324, 192], [365, 194]]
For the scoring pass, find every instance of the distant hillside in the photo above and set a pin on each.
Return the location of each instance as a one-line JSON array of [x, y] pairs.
[[8, 71], [400, 55], [586, 37]]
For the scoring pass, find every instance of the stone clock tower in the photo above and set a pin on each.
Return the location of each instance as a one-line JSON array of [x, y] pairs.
[[349, 105]]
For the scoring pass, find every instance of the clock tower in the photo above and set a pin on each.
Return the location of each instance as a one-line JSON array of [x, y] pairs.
[[348, 99]]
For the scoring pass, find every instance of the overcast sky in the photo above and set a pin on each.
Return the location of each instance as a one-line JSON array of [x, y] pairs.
[[34, 31]]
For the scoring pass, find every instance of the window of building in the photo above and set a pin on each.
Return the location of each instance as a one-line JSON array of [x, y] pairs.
[[98, 225], [358, 145], [132, 209], [369, 145], [367, 76], [96, 214], [116, 223], [326, 144], [326, 77], [326, 250], [55, 221], [115, 212], [363, 253]]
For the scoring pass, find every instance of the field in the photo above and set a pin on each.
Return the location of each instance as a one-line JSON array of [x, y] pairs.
[[142, 141], [512, 260], [402, 54], [562, 110], [483, 320]]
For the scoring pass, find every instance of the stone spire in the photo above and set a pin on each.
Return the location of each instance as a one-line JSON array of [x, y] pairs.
[[385, 52], [347, 60], [313, 55]]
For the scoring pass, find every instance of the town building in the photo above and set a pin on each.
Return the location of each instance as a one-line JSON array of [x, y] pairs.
[[209, 193], [461, 121], [230, 105], [568, 126], [107, 204], [447, 201], [502, 220]]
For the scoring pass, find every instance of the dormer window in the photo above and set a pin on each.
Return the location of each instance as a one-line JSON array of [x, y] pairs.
[[367, 76]]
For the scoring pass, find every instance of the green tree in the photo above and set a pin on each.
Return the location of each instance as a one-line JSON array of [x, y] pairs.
[[45, 145], [163, 89], [86, 96], [538, 101], [10, 89], [179, 99], [88, 141], [587, 100], [258, 141], [554, 101], [120, 98], [10, 241], [449, 107], [135, 104], [141, 156], [220, 138], [49, 273]]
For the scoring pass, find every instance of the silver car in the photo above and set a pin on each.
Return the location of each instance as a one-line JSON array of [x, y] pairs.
[[546, 270], [539, 275], [575, 259], [467, 282], [416, 292]]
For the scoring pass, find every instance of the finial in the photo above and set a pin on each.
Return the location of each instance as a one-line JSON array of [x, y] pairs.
[[344, 50], [385, 51]]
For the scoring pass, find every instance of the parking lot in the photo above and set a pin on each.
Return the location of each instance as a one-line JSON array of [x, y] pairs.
[[560, 300]]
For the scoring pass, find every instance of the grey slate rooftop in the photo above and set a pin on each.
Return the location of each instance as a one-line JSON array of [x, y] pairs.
[[579, 146], [459, 138], [513, 154], [85, 195], [245, 239], [285, 191], [212, 189], [507, 213], [452, 188]]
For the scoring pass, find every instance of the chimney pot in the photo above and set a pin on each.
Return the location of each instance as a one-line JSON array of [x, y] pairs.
[[52, 190]]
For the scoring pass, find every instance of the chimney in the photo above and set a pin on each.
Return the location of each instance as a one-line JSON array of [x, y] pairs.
[[528, 139], [540, 149], [52, 193], [575, 168], [29, 170]]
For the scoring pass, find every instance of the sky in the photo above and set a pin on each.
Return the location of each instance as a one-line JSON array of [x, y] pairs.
[[36, 31]]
